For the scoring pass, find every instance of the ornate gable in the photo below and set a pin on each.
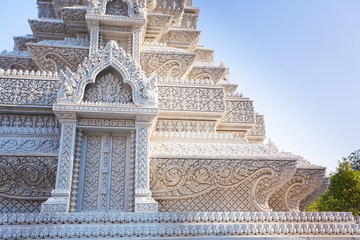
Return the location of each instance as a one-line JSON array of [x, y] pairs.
[[73, 85]]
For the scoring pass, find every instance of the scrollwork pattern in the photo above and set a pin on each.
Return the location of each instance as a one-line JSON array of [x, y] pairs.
[[30, 178]]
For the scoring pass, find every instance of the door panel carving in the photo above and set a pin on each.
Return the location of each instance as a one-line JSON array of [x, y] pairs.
[[105, 173]]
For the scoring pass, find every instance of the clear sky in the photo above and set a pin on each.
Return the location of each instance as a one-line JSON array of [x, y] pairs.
[[299, 61]]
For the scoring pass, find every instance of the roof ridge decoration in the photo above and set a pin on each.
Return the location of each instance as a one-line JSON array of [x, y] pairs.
[[135, 9], [72, 85]]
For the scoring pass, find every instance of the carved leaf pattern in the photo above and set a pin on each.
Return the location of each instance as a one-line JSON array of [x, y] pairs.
[[91, 181], [118, 167], [108, 89]]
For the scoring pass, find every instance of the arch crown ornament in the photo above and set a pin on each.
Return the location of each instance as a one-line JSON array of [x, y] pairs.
[[73, 85]]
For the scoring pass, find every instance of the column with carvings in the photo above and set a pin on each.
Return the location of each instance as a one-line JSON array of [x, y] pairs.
[[136, 45], [60, 196], [94, 39], [143, 200]]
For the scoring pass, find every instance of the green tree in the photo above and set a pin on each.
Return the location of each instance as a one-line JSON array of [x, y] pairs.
[[343, 194], [354, 159]]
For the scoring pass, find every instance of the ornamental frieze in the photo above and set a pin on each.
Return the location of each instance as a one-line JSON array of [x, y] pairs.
[[183, 98], [188, 184]]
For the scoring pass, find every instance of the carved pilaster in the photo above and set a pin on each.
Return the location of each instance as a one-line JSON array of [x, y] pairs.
[[75, 181], [143, 200], [60, 200], [94, 40], [136, 46]]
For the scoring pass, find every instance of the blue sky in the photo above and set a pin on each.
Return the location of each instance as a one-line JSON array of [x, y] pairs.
[[298, 60]]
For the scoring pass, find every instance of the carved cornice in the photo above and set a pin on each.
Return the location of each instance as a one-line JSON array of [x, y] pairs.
[[182, 38], [204, 55], [217, 150], [47, 27], [21, 41], [19, 60]]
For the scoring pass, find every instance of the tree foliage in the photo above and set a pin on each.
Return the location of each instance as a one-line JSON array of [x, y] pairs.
[[343, 194], [354, 159]]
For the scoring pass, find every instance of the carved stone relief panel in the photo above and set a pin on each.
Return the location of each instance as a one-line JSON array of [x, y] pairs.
[[73, 15], [239, 111], [20, 42], [207, 72], [237, 185], [182, 38], [189, 21], [27, 177], [204, 55], [104, 184], [174, 7], [164, 125], [302, 184], [37, 92], [166, 64], [108, 88], [17, 62], [314, 195], [42, 27], [173, 98], [117, 7], [51, 58], [46, 10]]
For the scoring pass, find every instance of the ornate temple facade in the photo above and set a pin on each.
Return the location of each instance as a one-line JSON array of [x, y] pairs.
[[114, 122]]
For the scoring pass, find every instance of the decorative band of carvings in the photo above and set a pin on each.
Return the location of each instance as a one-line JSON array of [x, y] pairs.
[[28, 74], [112, 109], [171, 217], [106, 123], [170, 230]]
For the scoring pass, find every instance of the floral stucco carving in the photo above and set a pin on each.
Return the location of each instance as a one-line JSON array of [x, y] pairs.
[[133, 7], [73, 84]]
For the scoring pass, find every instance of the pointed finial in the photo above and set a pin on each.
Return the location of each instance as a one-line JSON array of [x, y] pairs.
[[271, 144]]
